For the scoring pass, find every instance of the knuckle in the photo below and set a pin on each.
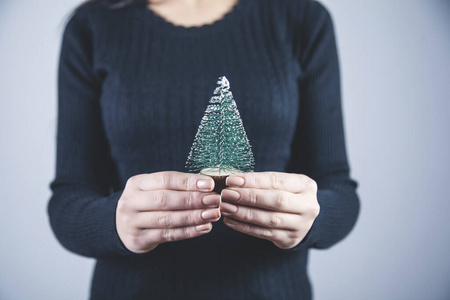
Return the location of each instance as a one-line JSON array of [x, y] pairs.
[[281, 201], [133, 181], [252, 198], [276, 236], [189, 219], [316, 210], [186, 184], [275, 220], [187, 232], [127, 197], [285, 245], [293, 234], [167, 235], [122, 205], [311, 184], [128, 220], [162, 198], [308, 183], [276, 180], [164, 219], [124, 220], [248, 215], [135, 242], [166, 178], [266, 233], [283, 240], [303, 179], [135, 231], [190, 199]]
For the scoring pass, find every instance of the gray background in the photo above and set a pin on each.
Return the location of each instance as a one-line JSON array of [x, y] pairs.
[[396, 97]]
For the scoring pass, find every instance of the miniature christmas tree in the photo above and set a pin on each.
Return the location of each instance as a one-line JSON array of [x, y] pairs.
[[221, 146]]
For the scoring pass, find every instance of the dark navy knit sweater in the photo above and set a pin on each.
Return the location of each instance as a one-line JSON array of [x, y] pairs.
[[132, 89]]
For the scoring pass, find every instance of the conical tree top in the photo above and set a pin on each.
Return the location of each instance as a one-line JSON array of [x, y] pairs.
[[223, 85], [221, 142]]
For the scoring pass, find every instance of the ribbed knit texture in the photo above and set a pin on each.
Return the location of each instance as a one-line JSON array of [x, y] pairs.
[[132, 89]]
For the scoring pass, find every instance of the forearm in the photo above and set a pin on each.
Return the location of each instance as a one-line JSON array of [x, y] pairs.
[[318, 149], [81, 211], [83, 220], [339, 209]]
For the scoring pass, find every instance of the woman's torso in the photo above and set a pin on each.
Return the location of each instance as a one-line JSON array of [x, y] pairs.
[[157, 79]]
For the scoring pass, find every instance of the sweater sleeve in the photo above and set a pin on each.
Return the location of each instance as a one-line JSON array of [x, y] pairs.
[[82, 207], [319, 145]]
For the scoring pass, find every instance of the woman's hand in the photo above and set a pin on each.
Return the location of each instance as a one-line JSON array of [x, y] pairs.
[[163, 207], [280, 207]]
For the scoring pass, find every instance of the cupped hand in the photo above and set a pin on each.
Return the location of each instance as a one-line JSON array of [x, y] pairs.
[[165, 206], [280, 207]]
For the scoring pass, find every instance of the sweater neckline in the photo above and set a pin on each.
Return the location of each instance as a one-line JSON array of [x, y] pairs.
[[228, 19]]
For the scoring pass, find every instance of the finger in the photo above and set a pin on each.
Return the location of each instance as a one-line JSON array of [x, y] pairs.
[[264, 218], [173, 200], [271, 234], [173, 180], [175, 234], [174, 219], [290, 182], [275, 200]]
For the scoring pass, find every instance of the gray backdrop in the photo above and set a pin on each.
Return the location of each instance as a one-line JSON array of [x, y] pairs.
[[396, 90]]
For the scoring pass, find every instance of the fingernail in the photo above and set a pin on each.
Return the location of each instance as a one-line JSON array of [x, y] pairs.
[[204, 185], [203, 227], [211, 214], [230, 195], [228, 208], [234, 181], [211, 200]]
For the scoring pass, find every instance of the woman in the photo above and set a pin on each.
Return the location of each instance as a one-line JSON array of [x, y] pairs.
[[134, 80]]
